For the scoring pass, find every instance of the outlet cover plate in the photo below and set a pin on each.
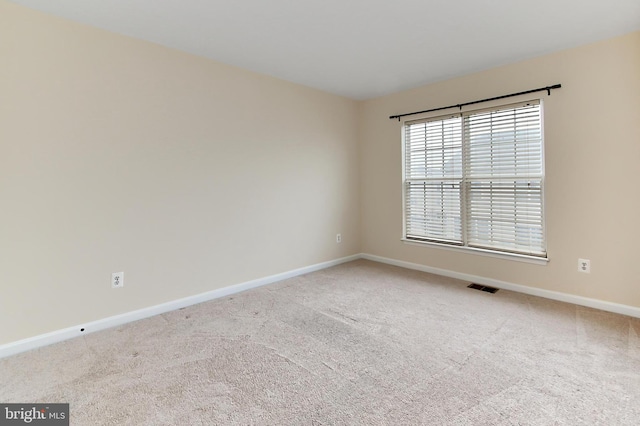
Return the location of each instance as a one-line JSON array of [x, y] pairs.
[[117, 280], [584, 265]]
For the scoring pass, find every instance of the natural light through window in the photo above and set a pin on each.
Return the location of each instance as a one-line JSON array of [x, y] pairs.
[[476, 179]]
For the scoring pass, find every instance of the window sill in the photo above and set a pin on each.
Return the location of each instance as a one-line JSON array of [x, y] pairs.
[[481, 252]]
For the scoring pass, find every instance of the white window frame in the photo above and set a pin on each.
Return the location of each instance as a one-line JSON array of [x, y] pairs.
[[465, 248]]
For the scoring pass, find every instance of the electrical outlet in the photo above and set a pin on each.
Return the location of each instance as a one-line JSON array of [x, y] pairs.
[[117, 280], [338, 238], [584, 265]]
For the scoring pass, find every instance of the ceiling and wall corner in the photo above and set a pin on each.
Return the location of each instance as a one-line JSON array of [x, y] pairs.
[[360, 49]]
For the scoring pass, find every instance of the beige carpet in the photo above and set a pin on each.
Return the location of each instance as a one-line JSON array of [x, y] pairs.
[[358, 344]]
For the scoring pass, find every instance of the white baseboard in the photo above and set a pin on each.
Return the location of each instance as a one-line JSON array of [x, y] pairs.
[[79, 330], [617, 308], [90, 327]]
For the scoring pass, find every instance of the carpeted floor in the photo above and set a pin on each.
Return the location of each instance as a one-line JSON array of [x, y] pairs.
[[357, 344]]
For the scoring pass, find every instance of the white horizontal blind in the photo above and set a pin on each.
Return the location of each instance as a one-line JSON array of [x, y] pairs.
[[476, 179], [503, 177], [433, 180]]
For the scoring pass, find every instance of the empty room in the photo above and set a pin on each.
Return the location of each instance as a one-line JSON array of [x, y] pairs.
[[319, 213]]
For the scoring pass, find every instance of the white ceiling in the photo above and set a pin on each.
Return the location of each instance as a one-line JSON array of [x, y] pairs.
[[359, 48]]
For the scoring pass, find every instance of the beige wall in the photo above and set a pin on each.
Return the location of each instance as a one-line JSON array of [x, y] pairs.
[[592, 143], [186, 174]]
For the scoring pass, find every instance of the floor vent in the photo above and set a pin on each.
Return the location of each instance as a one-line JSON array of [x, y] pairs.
[[483, 288]]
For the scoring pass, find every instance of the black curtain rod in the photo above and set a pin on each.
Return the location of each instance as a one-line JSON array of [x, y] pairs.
[[541, 89]]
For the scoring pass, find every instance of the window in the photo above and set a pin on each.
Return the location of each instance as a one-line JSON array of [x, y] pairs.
[[476, 179]]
